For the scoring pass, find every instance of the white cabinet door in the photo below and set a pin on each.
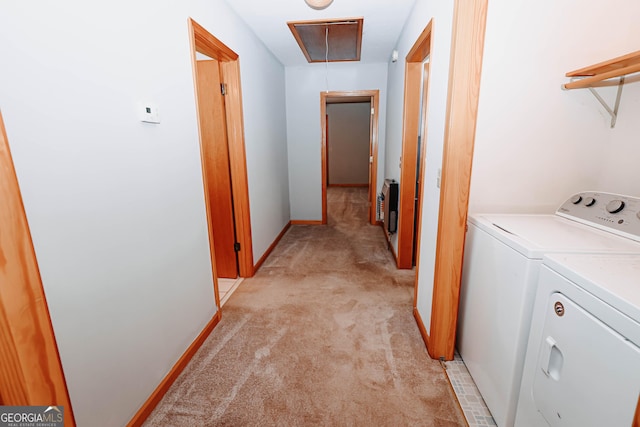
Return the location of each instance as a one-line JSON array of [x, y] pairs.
[[587, 374]]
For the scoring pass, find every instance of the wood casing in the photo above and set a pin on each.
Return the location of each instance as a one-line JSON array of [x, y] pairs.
[[30, 372], [460, 128]]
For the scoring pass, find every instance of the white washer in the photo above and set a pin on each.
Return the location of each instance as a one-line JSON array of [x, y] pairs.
[[582, 366], [503, 255]]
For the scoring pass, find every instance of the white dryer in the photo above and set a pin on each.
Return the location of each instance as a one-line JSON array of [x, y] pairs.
[[582, 366], [503, 255]]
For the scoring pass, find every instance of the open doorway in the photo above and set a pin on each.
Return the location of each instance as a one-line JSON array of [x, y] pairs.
[[348, 154], [348, 143], [368, 155], [219, 105]]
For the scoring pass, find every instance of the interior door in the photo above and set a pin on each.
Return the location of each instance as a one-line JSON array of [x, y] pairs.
[[421, 151], [30, 368], [217, 168]]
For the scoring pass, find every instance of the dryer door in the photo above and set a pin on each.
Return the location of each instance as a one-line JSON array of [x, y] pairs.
[[587, 374]]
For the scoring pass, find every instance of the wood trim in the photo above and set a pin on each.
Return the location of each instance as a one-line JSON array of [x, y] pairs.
[[12, 381], [410, 131], [202, 41], [393, 252], [157, 395], [636, 418], [388, 239], [336, 37], [31, 372], [587, 81], [209, 45], [306, 222], [362, 93], [326, 148], [421, 327], [386, 235], [422, 47], [270, 249], [460, 128], [374, 99], [324, 161], [194, 68], [609, 65], [323, 21]]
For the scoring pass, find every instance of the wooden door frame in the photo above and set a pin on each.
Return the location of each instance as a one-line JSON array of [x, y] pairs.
[[374, 96], [465, 67], [32, 371], [204, 42], [413, 78]]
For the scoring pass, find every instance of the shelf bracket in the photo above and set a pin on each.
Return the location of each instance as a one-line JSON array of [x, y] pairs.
[[613, 112]]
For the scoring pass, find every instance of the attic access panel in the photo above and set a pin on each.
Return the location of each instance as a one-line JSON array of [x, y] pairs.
[[330, 40]]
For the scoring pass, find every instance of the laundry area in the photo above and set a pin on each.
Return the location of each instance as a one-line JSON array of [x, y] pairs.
[[540, 312], [548, 326]]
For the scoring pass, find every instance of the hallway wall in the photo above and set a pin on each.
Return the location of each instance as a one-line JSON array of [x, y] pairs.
[[304, 135], [442, 14], [116, 206]]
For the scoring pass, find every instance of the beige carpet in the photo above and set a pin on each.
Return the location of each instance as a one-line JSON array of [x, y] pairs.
[[323, 335]]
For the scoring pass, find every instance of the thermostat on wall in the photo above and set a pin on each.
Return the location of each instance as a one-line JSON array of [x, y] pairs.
[[149, 113]]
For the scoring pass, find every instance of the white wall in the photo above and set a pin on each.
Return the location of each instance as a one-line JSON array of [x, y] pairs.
[[618, 171], [349, 137], [442, 14], [537, 144], [116, 206], [263, 90], [303, 87]]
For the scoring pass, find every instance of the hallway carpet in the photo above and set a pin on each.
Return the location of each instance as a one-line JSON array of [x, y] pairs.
[[323, 335]]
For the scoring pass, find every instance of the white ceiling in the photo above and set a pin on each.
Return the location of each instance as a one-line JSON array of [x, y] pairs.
[[383, 22]]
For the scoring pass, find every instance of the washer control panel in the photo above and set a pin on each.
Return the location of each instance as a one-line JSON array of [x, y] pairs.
[[615, 213]]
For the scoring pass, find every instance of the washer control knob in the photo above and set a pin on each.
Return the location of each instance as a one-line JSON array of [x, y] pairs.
[[576, 199], [589, 201], [615, 206]]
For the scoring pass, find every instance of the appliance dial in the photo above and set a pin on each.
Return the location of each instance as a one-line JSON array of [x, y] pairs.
[[589, 201], [615, 206], [576, 199]]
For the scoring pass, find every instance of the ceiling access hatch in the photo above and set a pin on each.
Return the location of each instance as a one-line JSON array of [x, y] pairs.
[[330, 40]]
